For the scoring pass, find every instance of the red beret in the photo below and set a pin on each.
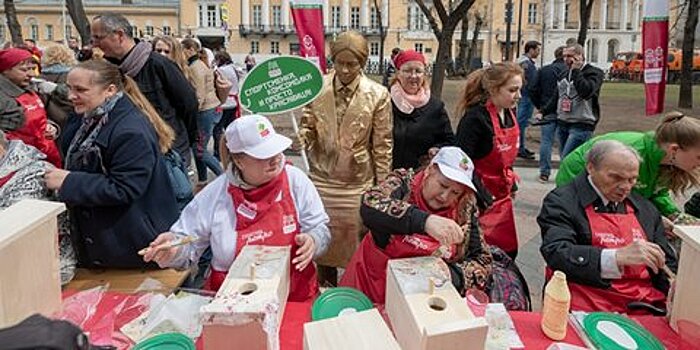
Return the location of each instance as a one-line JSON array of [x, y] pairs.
[[408, 56], [11, 57]]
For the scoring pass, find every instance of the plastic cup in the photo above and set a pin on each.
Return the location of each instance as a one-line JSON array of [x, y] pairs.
[[477, 301], [689, 333]]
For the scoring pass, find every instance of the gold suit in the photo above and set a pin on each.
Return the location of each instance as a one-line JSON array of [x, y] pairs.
[[348, 153]]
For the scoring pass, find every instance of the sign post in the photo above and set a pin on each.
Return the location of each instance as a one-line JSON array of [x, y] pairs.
[[280, 85]]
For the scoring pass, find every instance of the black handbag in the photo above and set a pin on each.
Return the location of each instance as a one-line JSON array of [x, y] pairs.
[[40, 333]]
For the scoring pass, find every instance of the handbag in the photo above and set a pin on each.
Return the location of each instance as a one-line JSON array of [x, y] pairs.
[[223, 86], [39, 332], [177, 172]]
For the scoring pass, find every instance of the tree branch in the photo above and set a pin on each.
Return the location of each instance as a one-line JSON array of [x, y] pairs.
[[440, 8], [431, 19]]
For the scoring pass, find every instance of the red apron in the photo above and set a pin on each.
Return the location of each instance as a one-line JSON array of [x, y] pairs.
[[496, 172], [367, 268], [32, 132], [270, 209], [616, 231]]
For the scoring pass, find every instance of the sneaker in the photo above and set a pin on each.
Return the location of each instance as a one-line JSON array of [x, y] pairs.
[[529, 152], [543, 179], [526, 156]]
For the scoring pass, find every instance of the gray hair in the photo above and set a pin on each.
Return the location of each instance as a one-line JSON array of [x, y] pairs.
[[602, 149], [114, 22]]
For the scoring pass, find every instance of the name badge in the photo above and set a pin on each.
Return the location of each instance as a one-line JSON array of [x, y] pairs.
[[289, 225], [246, 211], [566, 104]]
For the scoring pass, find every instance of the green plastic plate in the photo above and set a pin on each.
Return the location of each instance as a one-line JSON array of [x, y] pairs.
[[643, 339], [337, 301], [166, 341]]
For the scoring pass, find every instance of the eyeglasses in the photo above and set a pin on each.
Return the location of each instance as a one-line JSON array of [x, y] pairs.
[[165, 51], [410, 72]]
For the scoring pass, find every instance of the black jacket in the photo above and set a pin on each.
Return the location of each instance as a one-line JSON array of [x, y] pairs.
[[566, 234], [545, 86], [415, 133], [475, 131], [166, 87], [121, 202]]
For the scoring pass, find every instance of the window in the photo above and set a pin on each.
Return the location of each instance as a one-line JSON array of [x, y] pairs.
[[335, 16], [428, 50], [532, 13], [416, 18], [374, 18], [612, 49], [418, 47], [209, 16], [257, 15], [275, 47], [294, 49], [276, 16], [69, 31], [49, 32], [34, 31], [374, 49], [149, 30], [355, 17], [135, 31], [592, 54], [254, 47], [167, 30], [566, 14]]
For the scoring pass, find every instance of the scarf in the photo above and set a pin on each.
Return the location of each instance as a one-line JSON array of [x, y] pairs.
[[83, 142], [260, 199], [136, 59], [407, 103]]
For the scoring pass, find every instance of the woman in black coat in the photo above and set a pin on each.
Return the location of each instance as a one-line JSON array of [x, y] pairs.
[[115, 184], [421, 124]]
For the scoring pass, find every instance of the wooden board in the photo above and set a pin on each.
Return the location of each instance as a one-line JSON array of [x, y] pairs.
[[686, 303], [425, 317], [363, 330], [29, 277], [128, 280], [248, 309]]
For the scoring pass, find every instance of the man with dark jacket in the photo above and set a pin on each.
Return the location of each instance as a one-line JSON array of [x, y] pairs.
[[542, 90], [525, 105], [576, 100], [158, 78], [609, 241]]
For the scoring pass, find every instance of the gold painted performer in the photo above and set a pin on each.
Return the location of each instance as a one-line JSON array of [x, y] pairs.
[[346, 132]]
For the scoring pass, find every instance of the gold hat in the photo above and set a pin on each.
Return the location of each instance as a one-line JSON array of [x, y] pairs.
[[353, 42]]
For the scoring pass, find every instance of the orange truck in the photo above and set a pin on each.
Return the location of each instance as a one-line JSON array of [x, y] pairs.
[[630, 66]]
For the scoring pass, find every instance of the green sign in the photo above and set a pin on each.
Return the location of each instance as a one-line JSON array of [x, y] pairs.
[[280, 84]]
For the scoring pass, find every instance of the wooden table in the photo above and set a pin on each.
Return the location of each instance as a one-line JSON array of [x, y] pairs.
[[128, 281]]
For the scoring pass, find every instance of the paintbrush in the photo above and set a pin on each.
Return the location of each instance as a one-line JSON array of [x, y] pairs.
[[174, 243]]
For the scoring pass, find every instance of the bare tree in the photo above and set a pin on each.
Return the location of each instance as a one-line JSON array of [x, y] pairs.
[[382, 37], [79, 18], [685, 97], [585, 9], [479, 22], [12, 22], [461, 63], [444, 30]]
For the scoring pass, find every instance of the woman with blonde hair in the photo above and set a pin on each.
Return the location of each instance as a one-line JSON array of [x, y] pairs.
[[488, 133], [56, 63], [116, 183], [670, 161], [169, 47]]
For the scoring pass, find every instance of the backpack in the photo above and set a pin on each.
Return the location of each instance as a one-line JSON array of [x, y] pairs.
[[508, 286], [40, 333], [177, 172]]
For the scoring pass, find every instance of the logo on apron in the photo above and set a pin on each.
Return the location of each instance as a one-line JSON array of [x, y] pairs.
[[289, 224], [256, 236], [415, 242], [608, 239]]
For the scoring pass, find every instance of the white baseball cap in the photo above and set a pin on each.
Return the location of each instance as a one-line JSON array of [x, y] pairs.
[[455, 165], [255, 136]]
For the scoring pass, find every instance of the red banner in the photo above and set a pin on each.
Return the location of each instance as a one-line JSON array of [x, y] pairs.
[[655, 51], [308, 21]]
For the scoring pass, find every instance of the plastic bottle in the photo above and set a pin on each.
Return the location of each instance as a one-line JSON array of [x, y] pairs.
[[555, 310]]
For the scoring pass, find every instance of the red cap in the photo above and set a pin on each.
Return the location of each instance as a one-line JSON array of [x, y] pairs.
[[11, 57], [408, 56]]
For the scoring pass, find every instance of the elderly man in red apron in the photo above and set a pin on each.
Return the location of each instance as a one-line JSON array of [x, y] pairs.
[[609, 241], [260, 200]]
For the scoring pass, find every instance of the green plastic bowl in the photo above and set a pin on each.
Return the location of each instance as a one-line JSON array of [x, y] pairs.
[[166, 341], [338, 301]]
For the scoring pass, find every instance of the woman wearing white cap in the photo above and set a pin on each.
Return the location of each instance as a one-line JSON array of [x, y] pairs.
[[259, 192], [432, 212]]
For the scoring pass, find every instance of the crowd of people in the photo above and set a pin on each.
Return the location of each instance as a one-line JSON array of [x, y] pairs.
[[388, 177]]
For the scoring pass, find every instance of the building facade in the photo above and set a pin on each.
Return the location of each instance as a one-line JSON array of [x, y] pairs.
[[43, 20]]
